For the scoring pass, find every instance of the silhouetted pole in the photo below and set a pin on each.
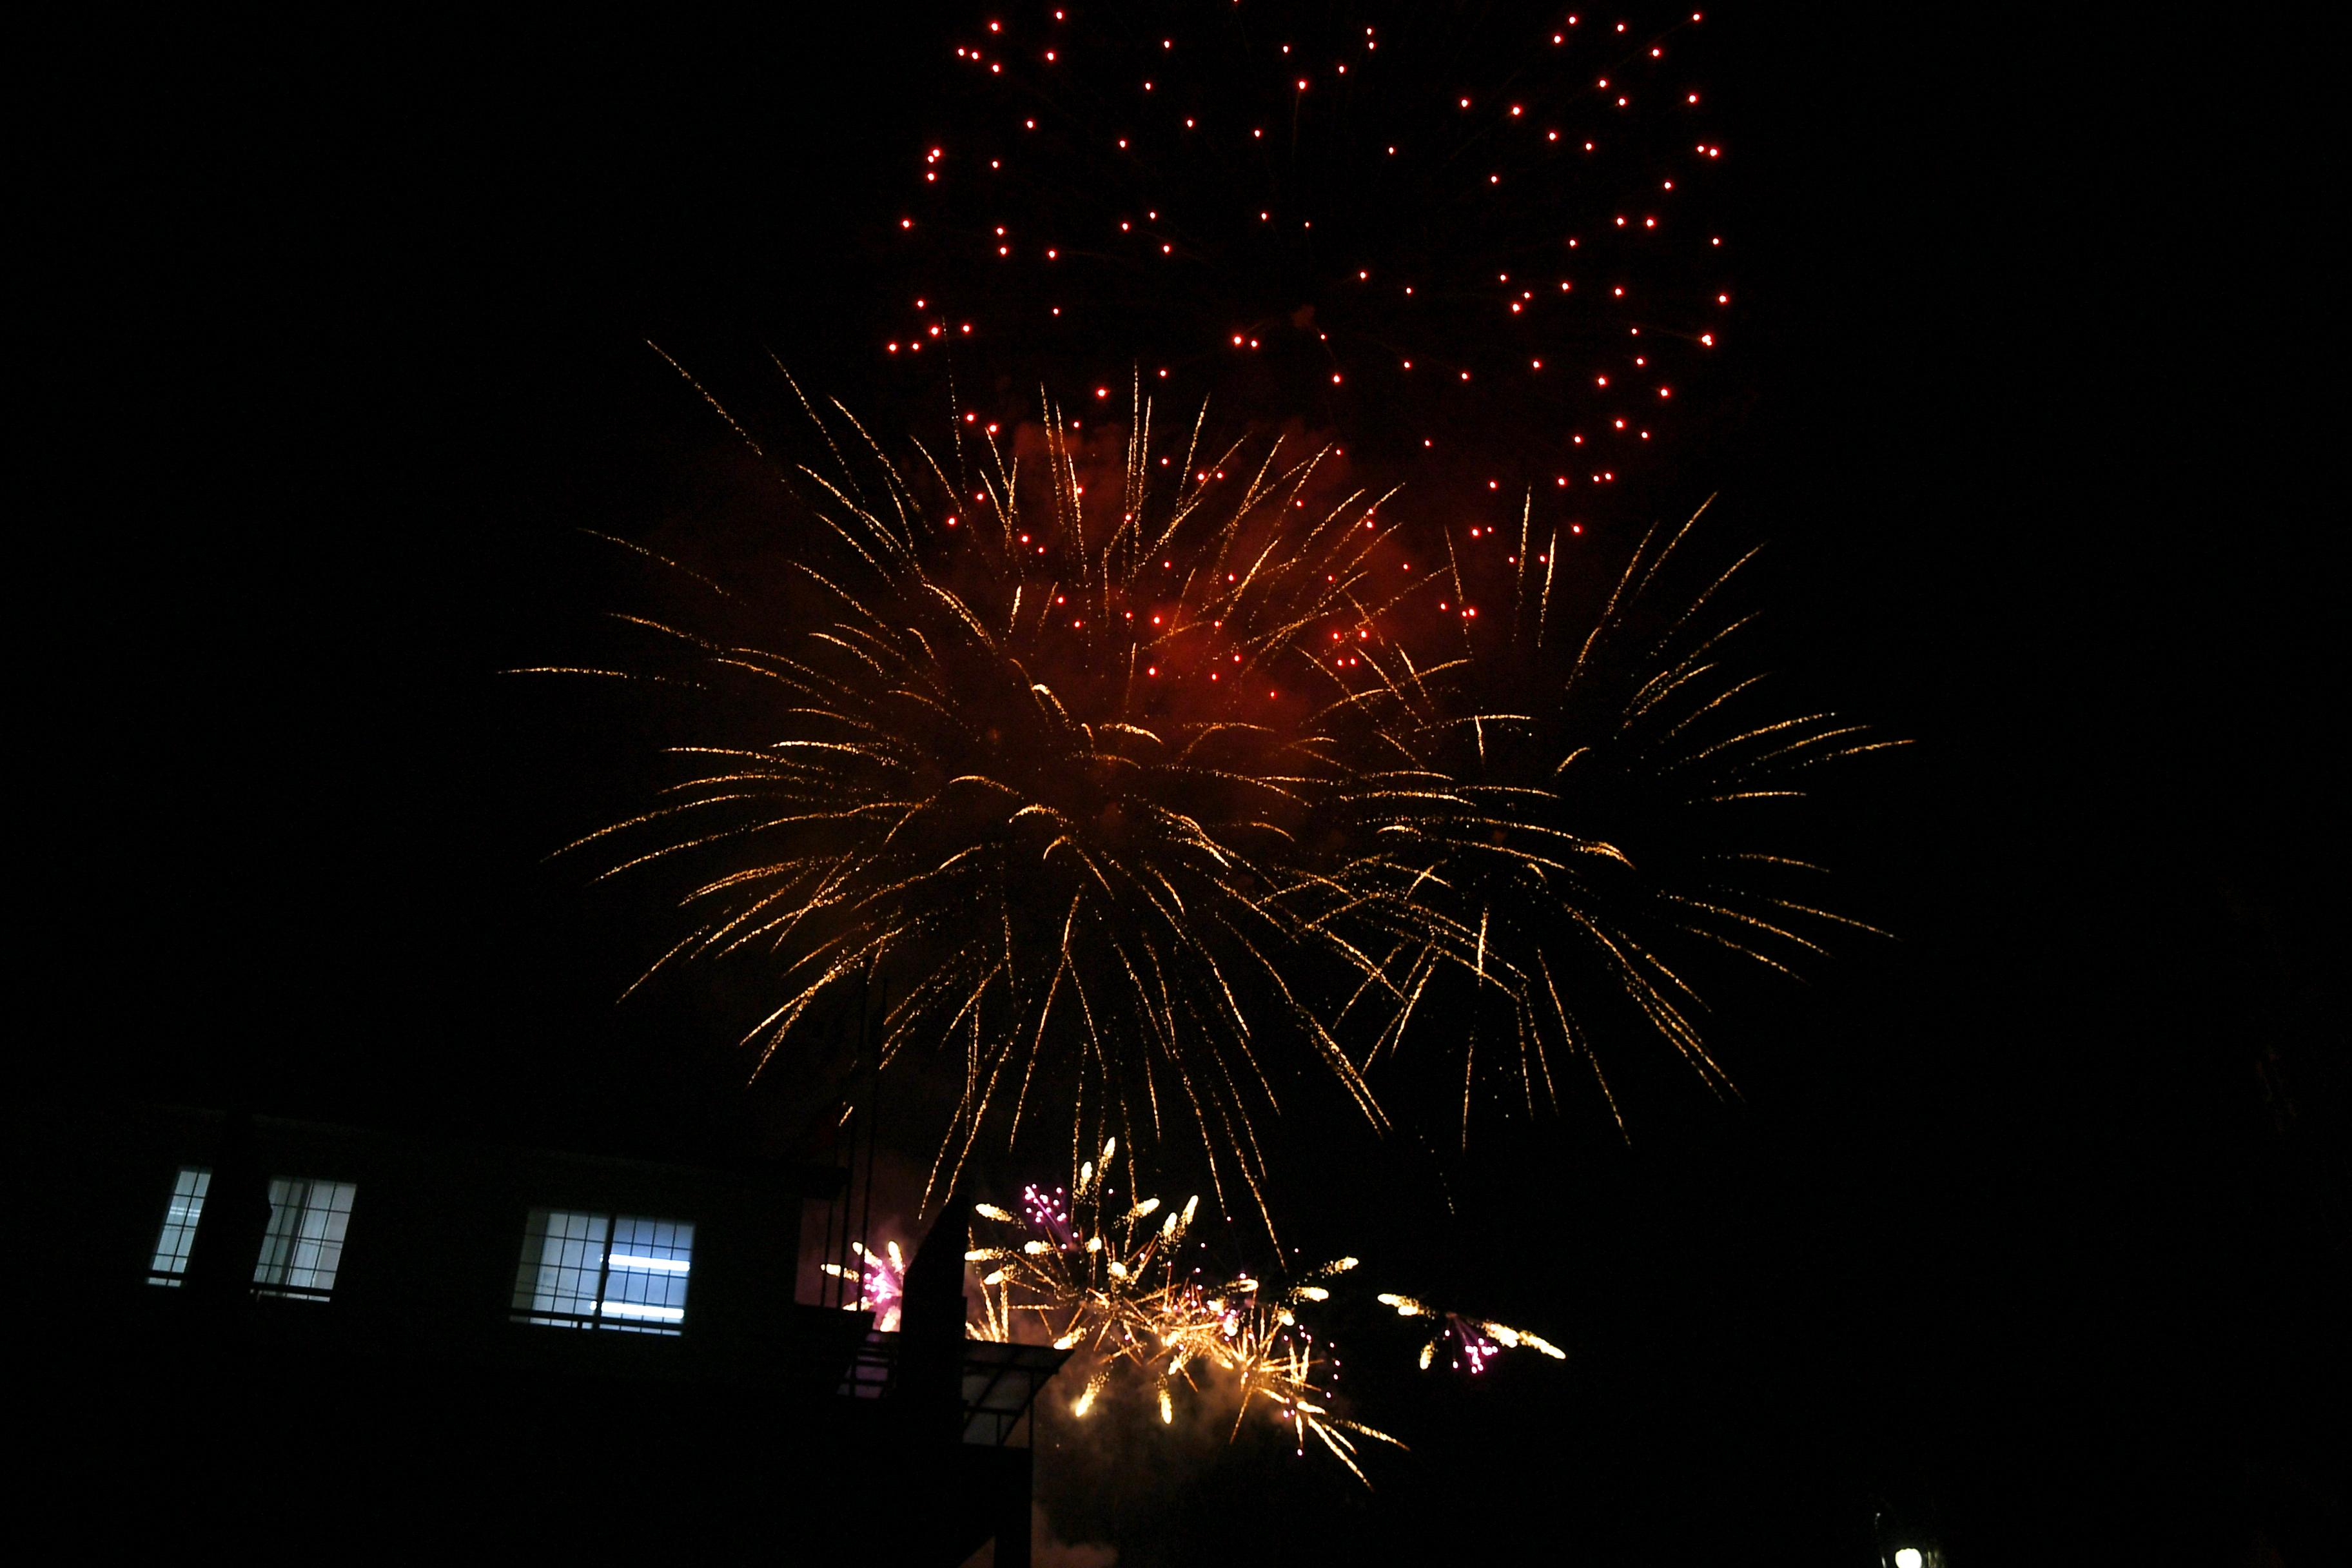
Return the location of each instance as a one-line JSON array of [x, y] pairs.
[[927, 1382], [228, 1242]]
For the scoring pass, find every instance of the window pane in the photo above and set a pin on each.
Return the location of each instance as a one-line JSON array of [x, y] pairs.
[[180, 1217], [568, 1278], [563, 1267], [645, 1287], [304, 1243]]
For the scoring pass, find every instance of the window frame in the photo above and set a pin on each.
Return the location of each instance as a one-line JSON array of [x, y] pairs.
[[176, 1239], [297, 1241], [661, 1261]]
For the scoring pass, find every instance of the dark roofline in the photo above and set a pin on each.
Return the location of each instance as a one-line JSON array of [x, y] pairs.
[[779, 1178]]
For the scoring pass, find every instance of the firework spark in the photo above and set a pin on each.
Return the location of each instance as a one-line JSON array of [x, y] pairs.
[[1484, 242]]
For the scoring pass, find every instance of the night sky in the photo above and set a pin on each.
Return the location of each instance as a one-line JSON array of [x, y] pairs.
[[327, 344]]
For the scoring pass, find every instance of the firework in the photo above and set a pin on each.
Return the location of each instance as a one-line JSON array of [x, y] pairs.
[[1104, 1283], [1036, 767], [1103, 1280], [1474, 1341], [881, 1280], [1584, 810], [1138, 772]]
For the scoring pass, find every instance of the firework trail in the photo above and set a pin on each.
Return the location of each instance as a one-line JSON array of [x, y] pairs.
[[1150, 779]]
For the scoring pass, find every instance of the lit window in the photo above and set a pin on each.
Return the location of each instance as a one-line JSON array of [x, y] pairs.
[[571, 1278], [179, 1233], [304, 1243]]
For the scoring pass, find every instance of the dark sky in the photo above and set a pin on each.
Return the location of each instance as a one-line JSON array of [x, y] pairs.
[[325, 342]]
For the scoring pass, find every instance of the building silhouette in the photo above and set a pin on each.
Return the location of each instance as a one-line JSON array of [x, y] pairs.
[[284, 1338]]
